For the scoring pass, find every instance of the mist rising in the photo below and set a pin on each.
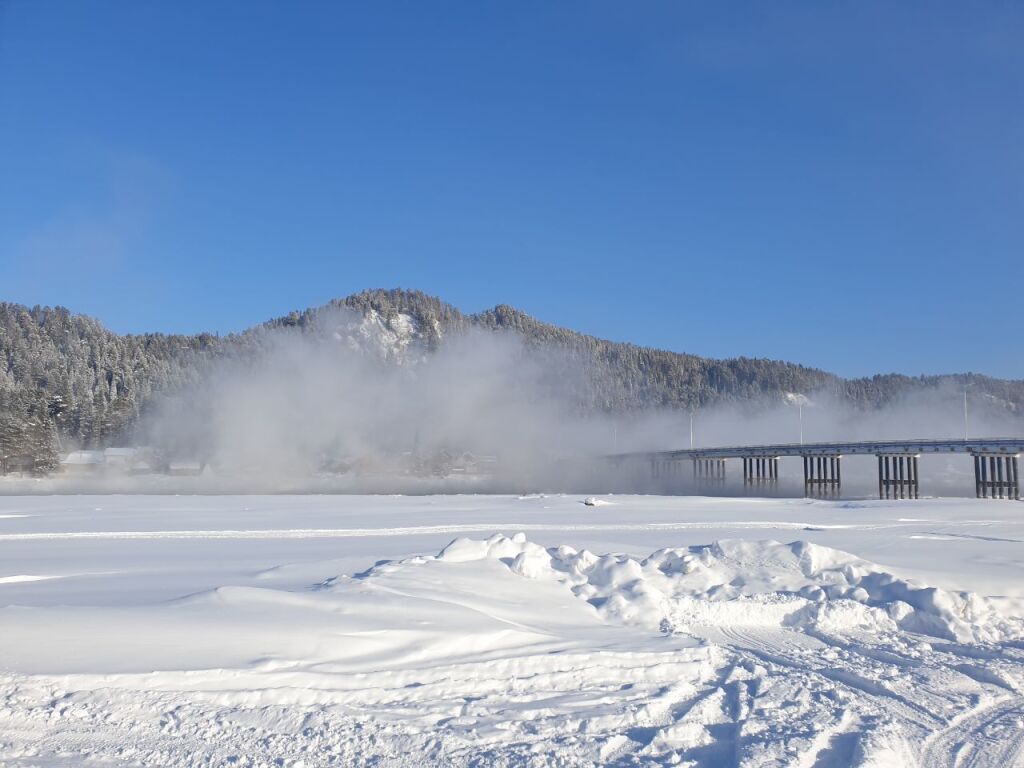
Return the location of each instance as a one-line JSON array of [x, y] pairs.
[[350, 404]]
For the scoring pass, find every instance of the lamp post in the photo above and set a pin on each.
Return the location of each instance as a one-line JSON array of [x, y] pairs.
[[965, 415]]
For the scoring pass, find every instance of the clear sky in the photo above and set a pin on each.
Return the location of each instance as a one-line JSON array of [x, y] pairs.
[[837, 184]]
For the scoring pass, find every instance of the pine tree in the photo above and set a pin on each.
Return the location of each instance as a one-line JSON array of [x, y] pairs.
[[41, 439], [12, 433]]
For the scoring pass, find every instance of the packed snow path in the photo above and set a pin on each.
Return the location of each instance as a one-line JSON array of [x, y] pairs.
[[647, 631]]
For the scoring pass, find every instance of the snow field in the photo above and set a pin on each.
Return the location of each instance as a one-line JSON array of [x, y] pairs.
[[505, 650]]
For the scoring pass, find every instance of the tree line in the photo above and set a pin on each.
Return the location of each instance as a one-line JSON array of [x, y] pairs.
[[67, 382]]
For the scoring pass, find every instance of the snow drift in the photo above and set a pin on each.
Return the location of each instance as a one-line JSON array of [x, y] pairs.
[[767, 583]]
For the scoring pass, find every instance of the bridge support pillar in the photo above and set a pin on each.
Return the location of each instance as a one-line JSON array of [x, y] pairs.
[[708, 471], [822, 475], [997, 476], [760, 470], [665, 468], [898, 476]]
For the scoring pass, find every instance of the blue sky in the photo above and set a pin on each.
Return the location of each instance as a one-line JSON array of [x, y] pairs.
[[840, 185]]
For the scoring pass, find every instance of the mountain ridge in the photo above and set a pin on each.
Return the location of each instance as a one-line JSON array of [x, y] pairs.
[[65, 379]]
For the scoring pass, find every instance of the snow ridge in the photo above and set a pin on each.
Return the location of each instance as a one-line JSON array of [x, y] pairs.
[[738, 581]]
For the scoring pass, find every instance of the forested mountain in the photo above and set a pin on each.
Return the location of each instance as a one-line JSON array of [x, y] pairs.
[[66, 381]]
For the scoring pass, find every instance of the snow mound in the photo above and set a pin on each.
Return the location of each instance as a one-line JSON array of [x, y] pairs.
[[737, 582]]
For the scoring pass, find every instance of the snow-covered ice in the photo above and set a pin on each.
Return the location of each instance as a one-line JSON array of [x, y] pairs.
[[487, 630]]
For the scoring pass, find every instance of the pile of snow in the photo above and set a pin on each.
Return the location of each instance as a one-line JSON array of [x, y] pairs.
[[748, 583]]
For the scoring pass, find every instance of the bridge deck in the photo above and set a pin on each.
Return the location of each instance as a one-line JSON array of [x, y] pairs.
[[986, 445]]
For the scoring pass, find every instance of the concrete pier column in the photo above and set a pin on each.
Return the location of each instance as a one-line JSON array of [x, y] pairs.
[[760, 471], [997, 476], [898, 476], [822, 475], [712, 471]]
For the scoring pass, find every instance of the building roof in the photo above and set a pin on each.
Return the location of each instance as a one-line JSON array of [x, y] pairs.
[[120, 451], [83, 457], [186, 464]]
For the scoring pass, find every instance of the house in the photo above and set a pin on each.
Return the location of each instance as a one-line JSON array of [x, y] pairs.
[[144, 461], [83, 462], [185, 467], [469, 463], [119, 458], [20, 463], [464, 464]]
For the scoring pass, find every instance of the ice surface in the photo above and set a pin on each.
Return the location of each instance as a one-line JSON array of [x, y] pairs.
[[534, 631]]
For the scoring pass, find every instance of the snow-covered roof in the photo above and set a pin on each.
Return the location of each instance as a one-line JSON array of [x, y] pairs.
[[83, 457], [119, 451], [185, 465]]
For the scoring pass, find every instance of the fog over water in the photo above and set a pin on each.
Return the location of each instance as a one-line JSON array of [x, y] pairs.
[[346, 407]]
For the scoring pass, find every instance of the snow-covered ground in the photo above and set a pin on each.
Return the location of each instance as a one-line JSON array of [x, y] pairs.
[[502, 630]]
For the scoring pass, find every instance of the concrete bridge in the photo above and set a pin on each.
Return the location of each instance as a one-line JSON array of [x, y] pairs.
[[996, 464]]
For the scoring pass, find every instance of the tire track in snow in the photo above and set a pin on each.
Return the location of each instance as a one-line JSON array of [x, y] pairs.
[[991, 736]]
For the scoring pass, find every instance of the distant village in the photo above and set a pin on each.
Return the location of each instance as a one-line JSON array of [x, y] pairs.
[[135, 461], [149, 461]]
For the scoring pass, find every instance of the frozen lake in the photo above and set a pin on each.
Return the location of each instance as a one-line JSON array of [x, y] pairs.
[[266, 630]]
